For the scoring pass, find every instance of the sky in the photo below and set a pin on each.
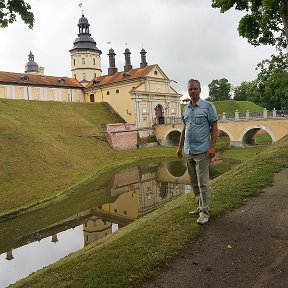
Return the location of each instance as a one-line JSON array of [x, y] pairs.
[[186, 38]]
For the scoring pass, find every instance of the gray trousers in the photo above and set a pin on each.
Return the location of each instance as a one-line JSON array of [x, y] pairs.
[[198, 169]]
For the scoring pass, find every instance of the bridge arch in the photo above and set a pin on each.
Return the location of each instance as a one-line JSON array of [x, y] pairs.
[[172, 137], [248, 134], [237, 131], [177, 169], [226, 131]]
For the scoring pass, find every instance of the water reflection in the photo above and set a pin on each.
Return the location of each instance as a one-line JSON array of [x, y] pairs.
[[132, 193]]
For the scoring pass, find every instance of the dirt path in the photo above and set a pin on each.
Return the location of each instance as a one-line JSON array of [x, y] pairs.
[[245, 248]]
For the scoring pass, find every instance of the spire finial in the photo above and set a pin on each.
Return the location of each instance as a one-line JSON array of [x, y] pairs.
[[109, 43], [81, 7]]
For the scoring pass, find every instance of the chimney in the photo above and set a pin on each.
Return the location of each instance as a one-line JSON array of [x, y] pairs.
[[112, 69], [41, 70], [128, 65], [143, 58]]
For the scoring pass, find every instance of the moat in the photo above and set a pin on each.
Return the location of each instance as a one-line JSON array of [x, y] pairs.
[[111, 201]]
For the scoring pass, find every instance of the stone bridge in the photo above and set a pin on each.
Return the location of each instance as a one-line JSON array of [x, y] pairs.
[[241, 131]]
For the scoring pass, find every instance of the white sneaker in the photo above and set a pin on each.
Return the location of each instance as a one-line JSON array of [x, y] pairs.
[[194, 212], [203, 219]]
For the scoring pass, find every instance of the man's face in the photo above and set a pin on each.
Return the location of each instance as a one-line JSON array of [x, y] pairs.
[[194, 90]]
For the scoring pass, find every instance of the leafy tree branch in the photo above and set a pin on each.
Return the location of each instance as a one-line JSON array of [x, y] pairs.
[[9, 9]]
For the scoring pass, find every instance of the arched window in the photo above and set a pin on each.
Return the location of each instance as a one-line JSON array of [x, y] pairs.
[[108, 93], [117, 91]]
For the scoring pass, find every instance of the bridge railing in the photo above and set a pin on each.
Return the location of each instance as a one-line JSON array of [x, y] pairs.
[[168, 120], [253, 115], [230, 117]]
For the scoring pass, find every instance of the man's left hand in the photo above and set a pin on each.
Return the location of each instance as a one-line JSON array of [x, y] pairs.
[[211, 152]]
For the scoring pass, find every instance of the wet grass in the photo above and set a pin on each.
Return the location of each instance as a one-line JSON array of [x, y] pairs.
[[133, 253]]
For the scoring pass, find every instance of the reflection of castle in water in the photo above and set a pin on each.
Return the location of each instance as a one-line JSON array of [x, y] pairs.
[[135, 192]]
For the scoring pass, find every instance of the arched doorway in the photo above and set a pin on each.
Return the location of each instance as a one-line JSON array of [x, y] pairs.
[[159, 114], [92, 98]]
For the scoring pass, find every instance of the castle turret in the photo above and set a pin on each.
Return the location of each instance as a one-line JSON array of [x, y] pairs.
[[85, 56], [31, 66]]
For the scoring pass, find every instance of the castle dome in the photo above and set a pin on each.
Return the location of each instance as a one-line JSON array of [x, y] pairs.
[[83, 20], [84, 41], [31, 65]]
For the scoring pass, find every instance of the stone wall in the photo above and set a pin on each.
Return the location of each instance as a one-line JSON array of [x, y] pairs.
[[122, 136]]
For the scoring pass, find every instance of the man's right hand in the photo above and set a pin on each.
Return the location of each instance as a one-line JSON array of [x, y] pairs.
[[179, 153]]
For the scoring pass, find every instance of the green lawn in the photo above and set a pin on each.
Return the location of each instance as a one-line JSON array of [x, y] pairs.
[[48, 147], [230, 106]]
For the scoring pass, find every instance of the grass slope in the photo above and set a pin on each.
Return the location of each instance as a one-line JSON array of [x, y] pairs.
[[230, 106], [47, 147], [134, 252]]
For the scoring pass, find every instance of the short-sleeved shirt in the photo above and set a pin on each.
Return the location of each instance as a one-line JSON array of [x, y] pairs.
[[197, 120]]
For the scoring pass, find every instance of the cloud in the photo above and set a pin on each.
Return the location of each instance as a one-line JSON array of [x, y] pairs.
[[186, 38]]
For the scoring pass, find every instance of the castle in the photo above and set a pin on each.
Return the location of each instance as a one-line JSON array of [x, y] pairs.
[[141, 95]]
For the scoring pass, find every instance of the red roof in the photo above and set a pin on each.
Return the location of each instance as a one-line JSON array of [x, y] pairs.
[[120, 76], [40, 80]]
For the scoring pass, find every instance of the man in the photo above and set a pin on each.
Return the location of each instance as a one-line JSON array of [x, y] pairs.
[[199, 139]]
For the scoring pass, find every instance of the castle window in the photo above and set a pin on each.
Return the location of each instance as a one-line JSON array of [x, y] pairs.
[[108, 93], [155, 72], [75, 76], [74, 61], [117, 91], [84, 76], [94, 75], [83, 60], [94, 62]]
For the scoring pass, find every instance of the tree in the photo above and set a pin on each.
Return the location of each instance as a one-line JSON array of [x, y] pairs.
[[219, 90], [266, 21], [273, 88], [245, 92], [9, 10], [269, 90]]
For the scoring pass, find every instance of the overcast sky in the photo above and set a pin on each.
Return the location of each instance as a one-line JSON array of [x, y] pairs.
[[186, 38]]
